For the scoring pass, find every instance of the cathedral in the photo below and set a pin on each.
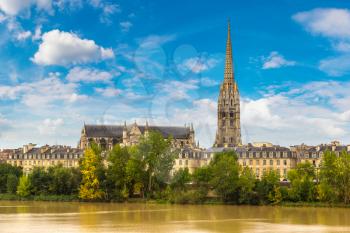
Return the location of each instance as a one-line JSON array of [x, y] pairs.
[[229, 125], [106, 136]]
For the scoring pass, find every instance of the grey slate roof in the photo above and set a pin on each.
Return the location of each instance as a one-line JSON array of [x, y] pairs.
[[111, 131]]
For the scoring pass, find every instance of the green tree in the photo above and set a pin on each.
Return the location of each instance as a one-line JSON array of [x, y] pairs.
[[5, 171], [12, 183], [268, 187], [23, 189], [158, 157], [180, 180], [328, 186], [92, 174], [40, 181], [116, 172], [201, 178], [302, 182], [247, 180], [225, 175], [136, 177], [64, 181]]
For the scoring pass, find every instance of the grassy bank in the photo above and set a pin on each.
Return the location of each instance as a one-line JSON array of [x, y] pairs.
[[211, 201], [63, 198]]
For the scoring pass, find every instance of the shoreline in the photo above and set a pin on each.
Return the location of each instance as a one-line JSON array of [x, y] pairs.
[[75, 199]]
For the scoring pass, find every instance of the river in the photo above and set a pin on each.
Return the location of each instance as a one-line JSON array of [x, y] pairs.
[[62, 217]]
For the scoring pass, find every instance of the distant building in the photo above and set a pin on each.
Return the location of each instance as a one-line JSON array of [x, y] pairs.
[[4, 154], [106, 136], [190, 158], [31, 156]]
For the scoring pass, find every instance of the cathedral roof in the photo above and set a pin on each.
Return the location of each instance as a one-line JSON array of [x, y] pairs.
[[96, 131], [117, 130]]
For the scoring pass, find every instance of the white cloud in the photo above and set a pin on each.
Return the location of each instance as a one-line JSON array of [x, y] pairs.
[[108, 92], [276, 60], [23, 35], [64, 48], [155, 41], [37, 34], [207, 82], [125, 26], [336, 66], [42, 93], [197, 64], [334, 24], [88, 75], [14, 7], [50, 126], [178, 90], [328, 22]]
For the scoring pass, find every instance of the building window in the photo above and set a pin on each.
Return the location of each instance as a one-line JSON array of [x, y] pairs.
[[285, 162], [244, 163], [257, 162], [231, 122], [180, 162], [271, 162], [257, 172], [250, 162], [278, 162], [284, 172], [186, 162], [264, 162]]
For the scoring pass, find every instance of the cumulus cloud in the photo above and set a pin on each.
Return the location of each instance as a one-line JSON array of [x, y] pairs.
[[275, 60], [42, 93], [328, 22], [334, 24], [49, 126], [64, 48], [88, 75], [14, 7]]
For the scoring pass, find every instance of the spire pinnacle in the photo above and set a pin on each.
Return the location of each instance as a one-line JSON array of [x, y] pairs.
[[228, 74]]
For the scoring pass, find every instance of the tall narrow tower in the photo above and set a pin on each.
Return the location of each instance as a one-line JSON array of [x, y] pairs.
[[229, 125]]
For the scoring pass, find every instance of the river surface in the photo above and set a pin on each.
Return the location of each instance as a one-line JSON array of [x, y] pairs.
[[62, 217]]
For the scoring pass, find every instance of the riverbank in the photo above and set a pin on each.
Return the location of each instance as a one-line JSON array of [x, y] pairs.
[[75, 198]]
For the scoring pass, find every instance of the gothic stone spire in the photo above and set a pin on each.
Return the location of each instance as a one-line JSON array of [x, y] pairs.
[[229, 126], [228, 74]]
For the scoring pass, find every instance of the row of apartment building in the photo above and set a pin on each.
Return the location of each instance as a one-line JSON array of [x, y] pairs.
[[260, 157]]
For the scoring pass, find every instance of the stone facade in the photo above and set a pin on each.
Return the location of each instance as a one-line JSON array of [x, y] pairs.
[[190, 158], [107, 136], [229, 125], [31, 156]]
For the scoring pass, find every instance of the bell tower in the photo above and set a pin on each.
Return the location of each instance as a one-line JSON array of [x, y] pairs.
[[229, 124]]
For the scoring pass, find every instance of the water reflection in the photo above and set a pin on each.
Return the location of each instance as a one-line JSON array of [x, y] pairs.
[[55, 217]]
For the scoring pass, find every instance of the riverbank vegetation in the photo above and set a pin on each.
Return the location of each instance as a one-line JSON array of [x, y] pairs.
[[144, 172]]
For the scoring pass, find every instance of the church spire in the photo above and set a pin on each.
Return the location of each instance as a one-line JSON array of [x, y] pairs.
[[228, 75]]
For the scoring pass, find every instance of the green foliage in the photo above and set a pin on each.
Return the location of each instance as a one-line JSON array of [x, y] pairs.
[[12, 183], [91, 187], [180, 180], [40, 181], [335, 178], [23, 189], [302, 179], [247, 181], [116, 173], [158, 157], [64, 181], [5, 171], [225, 176], [268, 187]]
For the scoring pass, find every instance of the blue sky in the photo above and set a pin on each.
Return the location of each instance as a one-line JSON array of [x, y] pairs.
[[66, 62]]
